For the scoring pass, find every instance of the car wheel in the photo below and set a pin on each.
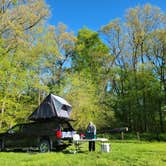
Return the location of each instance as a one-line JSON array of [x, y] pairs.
[[44, 146]]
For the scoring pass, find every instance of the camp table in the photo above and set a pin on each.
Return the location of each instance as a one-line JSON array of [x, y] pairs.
[[78, 141]]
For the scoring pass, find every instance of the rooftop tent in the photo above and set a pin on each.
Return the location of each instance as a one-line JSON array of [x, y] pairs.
[[52, 107]]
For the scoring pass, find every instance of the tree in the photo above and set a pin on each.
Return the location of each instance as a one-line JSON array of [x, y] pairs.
[[17, 19], [158, 60], [132, 79], [64, 41], [86, 107]]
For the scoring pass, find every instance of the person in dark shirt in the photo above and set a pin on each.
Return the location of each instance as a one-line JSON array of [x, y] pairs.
[[91, 134]]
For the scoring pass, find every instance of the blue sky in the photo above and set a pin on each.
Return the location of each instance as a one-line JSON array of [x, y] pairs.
[[92, 13]]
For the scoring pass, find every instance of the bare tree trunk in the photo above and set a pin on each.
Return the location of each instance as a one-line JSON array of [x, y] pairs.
[[138, 136], [160, 98], [144, 96], [161, 117], [2, 111], [39, 95]]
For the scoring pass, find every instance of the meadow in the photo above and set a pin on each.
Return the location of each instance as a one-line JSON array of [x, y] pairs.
[[123, 153]]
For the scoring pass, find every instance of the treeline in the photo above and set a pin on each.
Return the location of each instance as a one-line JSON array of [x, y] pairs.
[[115, 77]]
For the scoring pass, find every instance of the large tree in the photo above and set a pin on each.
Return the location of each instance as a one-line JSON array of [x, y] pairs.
[[17, 21], [132, 76]]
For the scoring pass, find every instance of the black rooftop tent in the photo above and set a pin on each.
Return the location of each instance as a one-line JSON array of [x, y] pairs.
[[52, 107]]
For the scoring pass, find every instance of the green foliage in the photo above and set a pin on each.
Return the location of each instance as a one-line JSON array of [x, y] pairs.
[[81, 92], [90, 52], [17, 58]]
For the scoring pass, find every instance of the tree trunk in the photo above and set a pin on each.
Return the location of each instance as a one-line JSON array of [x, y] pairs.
[[39, 95], [161, 117], [2, 112]]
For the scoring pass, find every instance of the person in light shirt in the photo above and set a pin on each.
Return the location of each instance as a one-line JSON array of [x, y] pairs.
[[91, 134]]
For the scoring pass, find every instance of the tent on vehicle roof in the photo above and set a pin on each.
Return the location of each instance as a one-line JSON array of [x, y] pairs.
[[52, 107]]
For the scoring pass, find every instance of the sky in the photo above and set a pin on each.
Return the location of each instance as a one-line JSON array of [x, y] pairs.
[[92, 13]]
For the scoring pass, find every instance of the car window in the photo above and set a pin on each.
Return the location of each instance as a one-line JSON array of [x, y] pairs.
[[25, 128], [15, 129], [66, 126]]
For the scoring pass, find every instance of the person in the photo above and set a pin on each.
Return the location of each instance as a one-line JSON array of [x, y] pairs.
[[91, 134]]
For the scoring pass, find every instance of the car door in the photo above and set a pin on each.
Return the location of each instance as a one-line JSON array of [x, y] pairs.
[[29, 135], [15, 138]]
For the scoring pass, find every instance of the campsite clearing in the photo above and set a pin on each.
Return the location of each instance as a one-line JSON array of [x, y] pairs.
[[122, 154]]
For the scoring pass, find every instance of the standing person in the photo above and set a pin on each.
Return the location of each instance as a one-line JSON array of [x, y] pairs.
[[91, 134]]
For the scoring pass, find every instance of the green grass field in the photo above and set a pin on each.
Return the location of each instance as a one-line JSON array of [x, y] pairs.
[[122, 153]]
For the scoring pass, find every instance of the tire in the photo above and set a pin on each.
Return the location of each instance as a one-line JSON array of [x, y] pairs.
[[44, 146]]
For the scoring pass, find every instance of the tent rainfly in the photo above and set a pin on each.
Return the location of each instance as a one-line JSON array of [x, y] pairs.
[[52, 107]]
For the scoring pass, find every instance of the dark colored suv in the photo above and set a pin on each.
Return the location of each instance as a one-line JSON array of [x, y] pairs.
[[47, 135]]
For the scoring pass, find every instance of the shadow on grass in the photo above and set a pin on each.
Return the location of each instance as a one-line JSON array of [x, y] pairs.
[[22, 151], [35, 151]]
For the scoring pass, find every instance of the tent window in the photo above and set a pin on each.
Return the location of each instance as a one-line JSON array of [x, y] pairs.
[[57, 105], [64, 108]]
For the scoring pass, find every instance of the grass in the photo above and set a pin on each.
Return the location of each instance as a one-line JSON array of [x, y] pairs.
[[122, 154]]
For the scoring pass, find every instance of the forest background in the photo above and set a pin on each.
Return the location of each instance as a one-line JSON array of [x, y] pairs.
[[115, 76]]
